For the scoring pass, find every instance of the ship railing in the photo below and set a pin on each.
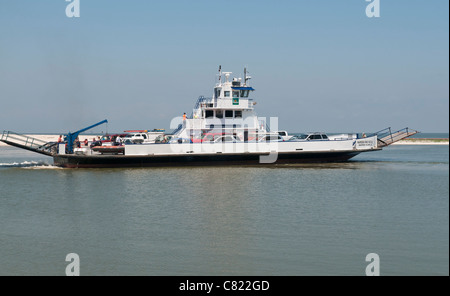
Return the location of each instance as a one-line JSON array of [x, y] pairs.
[[198, 103], [387, 137], [22, 139], [388, 132], [178, 129], [200, 100], [28, 142], [203, 100], [382, 133]]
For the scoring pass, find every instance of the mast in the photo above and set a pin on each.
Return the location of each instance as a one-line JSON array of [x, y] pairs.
[[245, 76]]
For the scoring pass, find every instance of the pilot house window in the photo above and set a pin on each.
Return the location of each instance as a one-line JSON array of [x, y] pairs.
[[226, 93], [235, 94], [228, 113], [244, 93]]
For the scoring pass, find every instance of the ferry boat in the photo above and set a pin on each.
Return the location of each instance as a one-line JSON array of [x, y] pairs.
[[222, 130]]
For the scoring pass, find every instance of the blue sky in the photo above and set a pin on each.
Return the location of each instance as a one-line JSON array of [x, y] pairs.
[[319, 65]]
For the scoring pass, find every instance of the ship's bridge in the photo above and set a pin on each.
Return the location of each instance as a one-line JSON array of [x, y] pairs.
[[230, 109], [228, 97]]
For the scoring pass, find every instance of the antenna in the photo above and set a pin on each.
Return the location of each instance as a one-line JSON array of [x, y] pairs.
[[246, 78], [220, 73]]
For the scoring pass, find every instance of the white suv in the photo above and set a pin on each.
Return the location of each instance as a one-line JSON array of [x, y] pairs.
[[136, 138]]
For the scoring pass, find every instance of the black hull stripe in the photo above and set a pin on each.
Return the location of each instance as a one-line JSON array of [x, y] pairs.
[[113, 161]]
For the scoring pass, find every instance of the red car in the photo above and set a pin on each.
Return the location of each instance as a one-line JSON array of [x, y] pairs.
[[107, 140]]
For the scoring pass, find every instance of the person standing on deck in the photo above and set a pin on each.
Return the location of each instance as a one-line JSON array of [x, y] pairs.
[[118, 141], [77, 143], [184, 119]]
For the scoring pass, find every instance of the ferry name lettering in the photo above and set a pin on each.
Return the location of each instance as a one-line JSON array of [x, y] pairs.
[[365, 143]]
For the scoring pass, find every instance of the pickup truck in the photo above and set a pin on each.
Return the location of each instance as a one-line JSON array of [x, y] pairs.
[[284, 135]]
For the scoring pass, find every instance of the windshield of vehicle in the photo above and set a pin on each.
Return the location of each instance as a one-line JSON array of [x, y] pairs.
[[299, 137], [315, 137]]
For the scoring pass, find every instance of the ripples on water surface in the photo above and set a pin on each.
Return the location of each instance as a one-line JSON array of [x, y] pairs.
[[310, 219]]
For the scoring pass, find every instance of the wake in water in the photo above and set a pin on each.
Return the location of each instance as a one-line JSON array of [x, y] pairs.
[[29, 165]]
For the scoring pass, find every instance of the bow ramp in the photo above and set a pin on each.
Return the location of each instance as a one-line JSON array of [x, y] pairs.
[[386, 137], [29, 143]]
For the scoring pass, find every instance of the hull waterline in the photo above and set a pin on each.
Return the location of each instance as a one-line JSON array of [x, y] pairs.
[[116, 161]]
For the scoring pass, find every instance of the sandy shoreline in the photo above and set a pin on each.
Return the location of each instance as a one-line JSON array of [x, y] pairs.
[[412, 141], [423, 141]]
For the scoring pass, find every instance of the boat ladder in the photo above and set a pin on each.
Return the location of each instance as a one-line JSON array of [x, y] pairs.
[[29, 143]]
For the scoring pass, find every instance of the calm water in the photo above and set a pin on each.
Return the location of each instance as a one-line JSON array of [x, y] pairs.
[[431, 135], [289, 220]]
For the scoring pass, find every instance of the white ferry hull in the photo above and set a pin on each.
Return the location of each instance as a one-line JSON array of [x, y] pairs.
[[112, 161], [205, 154]]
